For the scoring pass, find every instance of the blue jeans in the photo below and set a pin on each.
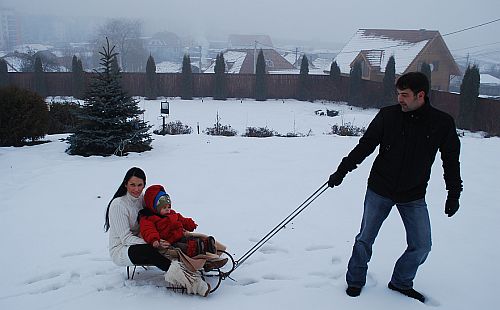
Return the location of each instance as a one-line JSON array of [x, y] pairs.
[[418, 238]]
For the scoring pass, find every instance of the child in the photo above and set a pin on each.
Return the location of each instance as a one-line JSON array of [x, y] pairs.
[[162, 227]]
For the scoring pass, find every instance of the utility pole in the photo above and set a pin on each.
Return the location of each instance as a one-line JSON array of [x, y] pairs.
[[296, 56], [200, 59]]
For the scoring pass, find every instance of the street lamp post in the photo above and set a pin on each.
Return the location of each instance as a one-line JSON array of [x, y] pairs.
[[164, 111]]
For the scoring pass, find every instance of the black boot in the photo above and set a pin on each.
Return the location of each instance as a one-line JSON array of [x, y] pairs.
[[408, 292], [353, 291]]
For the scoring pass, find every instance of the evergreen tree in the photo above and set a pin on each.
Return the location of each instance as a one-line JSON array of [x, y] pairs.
[[355, 79], [260, 78], [388, 96], [426, 69], [220, 78], [150, 85], [109, 120], [469, 93], [77, 78], [40, 83], [335, 71], [303, 79], [187, 79], [4, 78]]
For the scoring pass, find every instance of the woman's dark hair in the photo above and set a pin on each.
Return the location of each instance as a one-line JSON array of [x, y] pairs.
[[122, 190]]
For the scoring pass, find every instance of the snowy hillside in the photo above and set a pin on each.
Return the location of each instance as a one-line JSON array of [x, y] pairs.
[[54, 250]]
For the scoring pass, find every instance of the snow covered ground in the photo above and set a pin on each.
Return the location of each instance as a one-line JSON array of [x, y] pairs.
[[54, 250]]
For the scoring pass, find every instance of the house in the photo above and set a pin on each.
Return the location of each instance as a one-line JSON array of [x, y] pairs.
[[242, 61], [165, 46], [489, 85], [410, 48]]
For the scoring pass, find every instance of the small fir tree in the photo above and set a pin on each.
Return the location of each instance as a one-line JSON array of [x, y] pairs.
[[220, 78], [335, 71], [355, 80], [303, 79], [469, 93], [40, 83], [260, 78], [187, 79], [426, 69], [150, 85], [4, 77], [109, 121], [388, 95]]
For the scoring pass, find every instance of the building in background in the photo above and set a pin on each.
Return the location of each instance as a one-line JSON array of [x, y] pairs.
[[9, 29], [410, 48], [242, 61]]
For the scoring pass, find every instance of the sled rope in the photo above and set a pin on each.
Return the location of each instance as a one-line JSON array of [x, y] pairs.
[[278, 227]]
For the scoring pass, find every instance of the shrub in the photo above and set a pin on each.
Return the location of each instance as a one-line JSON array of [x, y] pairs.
[[62, 117], [295, 134], [174, 128], [24, 116], [347, 129], [221, 130], [259, 132]]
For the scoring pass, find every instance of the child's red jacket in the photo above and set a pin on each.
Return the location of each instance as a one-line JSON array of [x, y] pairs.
[[170, 227]]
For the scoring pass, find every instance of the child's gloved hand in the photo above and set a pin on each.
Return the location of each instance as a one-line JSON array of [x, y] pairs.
[[164, 243]]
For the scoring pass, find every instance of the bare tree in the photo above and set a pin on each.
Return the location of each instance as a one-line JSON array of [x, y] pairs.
[[126, 35]]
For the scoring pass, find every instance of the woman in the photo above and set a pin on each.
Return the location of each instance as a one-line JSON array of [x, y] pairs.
[[127, 248]]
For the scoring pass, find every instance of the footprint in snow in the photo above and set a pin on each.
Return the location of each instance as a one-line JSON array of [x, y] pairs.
[[78, 253], [247, 281], [51, 282], [43, 277], [336, 260], [274, 277], [261, 291], [328, 275], [272, 250], [319, 247]]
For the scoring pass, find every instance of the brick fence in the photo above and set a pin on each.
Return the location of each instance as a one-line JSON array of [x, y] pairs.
[[279, 86]]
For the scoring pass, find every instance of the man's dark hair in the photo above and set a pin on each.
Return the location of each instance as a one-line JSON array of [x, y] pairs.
[[416, 81]]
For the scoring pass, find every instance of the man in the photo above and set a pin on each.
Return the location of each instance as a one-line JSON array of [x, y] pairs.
[[408, 134]]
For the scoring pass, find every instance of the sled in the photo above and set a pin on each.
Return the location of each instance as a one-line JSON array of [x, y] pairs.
[[206, 272]]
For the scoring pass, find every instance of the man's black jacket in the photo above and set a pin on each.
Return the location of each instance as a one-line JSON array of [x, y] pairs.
[[408, 143]]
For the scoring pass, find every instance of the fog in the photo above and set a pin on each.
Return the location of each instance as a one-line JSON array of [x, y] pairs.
[[312, 20]]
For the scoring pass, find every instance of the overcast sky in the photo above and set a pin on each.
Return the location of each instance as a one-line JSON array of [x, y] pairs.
[[325, 20]]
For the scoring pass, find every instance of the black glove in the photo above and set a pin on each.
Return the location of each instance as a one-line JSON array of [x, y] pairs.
[[451, 206], [335, 179]]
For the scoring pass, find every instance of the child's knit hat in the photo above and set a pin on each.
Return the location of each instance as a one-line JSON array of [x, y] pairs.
[[153, 195]]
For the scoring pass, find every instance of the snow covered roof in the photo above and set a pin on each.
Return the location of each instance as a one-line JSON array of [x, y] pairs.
[[168, 67], [234, 60], [242, 60], [378, 45], [291, 57], [32, 47], [14, 63], [488, 79]]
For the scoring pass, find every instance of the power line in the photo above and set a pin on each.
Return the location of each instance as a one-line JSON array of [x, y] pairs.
[[470, 47], [472, 27]]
